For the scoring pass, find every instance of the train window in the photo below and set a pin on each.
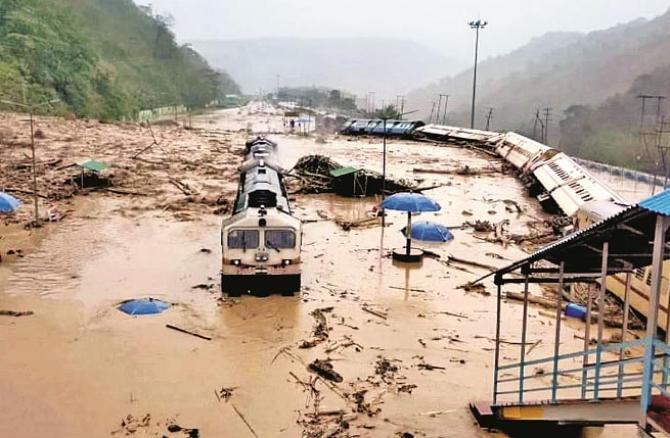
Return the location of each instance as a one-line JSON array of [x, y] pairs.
[[279, 239], [243, 239], [639, 274]]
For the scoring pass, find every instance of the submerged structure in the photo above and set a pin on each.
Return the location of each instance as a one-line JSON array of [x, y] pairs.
[[626, 381]]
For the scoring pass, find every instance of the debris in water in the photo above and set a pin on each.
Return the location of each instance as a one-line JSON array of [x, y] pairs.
[[130, 424], [321, 174], [384, 368], [173, 427], [324, 368], [475, 287], [16, 313], [197, 335], [225, 393]]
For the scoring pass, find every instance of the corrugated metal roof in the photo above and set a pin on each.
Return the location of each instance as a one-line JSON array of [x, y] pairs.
[[594, 231], [659, 204], [343, 171]]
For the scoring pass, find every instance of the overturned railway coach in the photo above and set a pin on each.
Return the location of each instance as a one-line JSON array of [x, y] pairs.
[[261, 241]]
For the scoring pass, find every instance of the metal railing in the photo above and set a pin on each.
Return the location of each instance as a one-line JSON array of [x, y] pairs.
[[623, 376]]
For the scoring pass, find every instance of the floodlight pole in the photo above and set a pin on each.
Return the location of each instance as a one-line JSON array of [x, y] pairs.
[[31, 109], [477, 25], [384, 173]]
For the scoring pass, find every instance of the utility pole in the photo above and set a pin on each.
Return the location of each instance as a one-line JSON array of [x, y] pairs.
[[444, 113], [439, 109], [547, 119], [477, 25], [643, 133], [538, 121], [384, 173], [31, 109], [432, 110], [489, 117], [402, 106]]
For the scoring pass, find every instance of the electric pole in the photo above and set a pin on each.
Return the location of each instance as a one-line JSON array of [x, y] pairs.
[[31, 109], [538, 121], [489, 117], [477, 25], [439, 109], [444, 113], [547, 119], [432, 110]]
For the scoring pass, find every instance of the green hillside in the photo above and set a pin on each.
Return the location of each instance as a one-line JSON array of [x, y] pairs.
[[101, 58]]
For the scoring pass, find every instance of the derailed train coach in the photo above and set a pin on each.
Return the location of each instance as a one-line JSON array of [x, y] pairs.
[[394, 128], [563, 185], [560, 183], [261, 240]]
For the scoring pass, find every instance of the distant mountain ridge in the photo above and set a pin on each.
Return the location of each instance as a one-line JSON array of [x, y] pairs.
[[386, 66], [557, 70]]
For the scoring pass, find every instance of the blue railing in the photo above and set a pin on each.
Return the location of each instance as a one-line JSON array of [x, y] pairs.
[[594, 376]]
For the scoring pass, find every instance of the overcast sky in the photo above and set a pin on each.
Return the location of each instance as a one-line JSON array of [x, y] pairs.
[[441, 24]]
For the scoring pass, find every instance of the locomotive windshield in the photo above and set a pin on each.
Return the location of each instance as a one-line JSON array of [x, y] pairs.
[[243, 239], [279, 239]]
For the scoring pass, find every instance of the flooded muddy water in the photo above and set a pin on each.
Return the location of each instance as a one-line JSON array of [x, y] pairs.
[[78, 367]]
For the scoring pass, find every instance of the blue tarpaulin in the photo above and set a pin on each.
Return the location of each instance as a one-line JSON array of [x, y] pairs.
[[8, 203]]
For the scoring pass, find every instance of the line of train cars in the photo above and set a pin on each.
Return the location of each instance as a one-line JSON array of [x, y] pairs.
[[261, 240], [562, 186]]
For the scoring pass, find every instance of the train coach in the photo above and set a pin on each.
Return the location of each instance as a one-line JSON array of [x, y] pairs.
[[261, 240]]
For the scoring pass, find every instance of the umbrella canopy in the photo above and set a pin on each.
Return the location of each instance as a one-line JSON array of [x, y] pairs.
[[410, 202], [146, 306], [8, 203], [431, 232]]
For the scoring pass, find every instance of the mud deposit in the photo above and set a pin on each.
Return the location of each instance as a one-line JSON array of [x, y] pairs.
[[368, 348]]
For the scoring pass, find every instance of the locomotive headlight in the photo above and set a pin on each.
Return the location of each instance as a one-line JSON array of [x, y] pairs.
[[236, 262], [286, 262]]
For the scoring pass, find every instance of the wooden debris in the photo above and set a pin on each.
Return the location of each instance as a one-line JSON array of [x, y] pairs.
[[376, 313], [173, 327], [246, 422], [16, 313], [324, 368]]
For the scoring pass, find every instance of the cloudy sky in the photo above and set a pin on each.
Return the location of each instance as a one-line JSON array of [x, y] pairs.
[[441, 24]]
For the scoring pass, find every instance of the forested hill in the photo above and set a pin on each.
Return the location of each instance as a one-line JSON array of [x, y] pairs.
[[100, 58]]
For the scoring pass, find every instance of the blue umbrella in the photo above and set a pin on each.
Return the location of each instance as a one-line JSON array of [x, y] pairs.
[[8, 203], [146, 306], [431, 232], [411, 203]]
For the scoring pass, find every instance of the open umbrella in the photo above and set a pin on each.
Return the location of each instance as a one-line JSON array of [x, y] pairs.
[[411, 203], [8, 203], [145, 306], [431, 232]]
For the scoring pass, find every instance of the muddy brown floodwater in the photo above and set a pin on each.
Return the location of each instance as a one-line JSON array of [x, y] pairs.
[[412, 348]]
